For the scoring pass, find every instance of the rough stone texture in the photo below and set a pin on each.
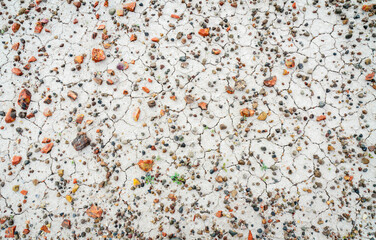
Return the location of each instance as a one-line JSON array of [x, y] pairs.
[[81, 141]]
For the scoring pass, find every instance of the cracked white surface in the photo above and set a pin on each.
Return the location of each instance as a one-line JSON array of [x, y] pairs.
[[289, 176]]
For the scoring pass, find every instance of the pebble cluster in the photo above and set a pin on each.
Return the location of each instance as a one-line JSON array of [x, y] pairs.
[[187, 119]]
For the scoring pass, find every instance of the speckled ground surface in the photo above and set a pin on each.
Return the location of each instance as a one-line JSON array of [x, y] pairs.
[[187, 119]]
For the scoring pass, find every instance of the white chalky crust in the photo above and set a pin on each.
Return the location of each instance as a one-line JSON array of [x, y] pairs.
[[287, 177]]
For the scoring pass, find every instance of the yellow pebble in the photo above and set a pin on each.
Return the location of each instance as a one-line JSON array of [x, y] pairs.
[[69, 198], [262, 116], [75, 188], [136, 182]]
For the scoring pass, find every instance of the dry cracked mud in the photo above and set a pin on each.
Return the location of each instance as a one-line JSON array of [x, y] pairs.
[[187, 119]]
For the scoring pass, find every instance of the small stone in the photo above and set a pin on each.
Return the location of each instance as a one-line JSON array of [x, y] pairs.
[[79, 59], [262, 116], [60, 172], [365, 160], [151, 103], [16, 188], [136, 182], [120, 12], [15, 27], [219, 179], [81, 141], [47, 112], [69, 198], [97, 55], [24, 99], [216, 51], [10, 116], [229, 90], [9, 233], [66, 224], [321, 118], [98, 81], [47, 148], [370, 76], [77, 4], [16, 160], [112, 11], [17, 71], [72, 95], [317, 173], [136, 114], [183, 59], [94, 211], [290, 63], [75, 188], [245, 112], [22, 11], [146, 165], [130, 6], [270, 82], [189, 99], [80, 118], [133, 37], [232, 233], [204, 32], [203, 105], [240, 85], [22, 114]]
